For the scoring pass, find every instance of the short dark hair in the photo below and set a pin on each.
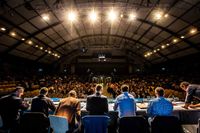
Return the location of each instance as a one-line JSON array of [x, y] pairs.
[[124, 88], [159, 91], [43, 90], [184, 83], [99, 87]]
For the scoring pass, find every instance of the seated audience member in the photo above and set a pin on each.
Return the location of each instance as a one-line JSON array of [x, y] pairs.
[[9, 109], [192, 91], [71, 109], [125, 103], [97, 104], [159, 106], [42, 103]]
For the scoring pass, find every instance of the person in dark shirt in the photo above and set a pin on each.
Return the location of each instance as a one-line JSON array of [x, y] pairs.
[[192, 92], [42, 103], [97, 104], [10, 106]]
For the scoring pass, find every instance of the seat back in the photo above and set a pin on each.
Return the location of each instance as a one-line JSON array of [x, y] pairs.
[[34, 122], [95, 123], [166, 124], [59, 124], [133, 124]]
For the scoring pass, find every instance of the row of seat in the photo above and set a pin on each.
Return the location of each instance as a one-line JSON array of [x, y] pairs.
[[34, 122]]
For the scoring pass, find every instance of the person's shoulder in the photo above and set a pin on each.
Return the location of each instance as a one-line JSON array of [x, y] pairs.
[[104, 97]]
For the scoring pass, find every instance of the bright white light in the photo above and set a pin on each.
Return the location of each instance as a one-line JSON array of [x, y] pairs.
[[155, 51], [23, 39], [72, 16], [175, 40], [93, 16], [182, 37], [36, 46], [158, 15], [13, 34], [193, 31], [166, 15], [167, 44], [163, 46], [158, 49], [49, 52], [3, 29], [45, 17], [41, 48], [121, 15], [132, 16], [30, 42], [112, 15]]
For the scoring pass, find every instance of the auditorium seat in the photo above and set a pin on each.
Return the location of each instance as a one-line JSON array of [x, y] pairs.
[[59, 124], [95, 123], [34, 122], [133, 124], [166, 124]]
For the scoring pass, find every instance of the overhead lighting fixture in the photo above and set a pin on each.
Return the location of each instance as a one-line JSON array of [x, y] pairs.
[[23, 39], [72, 16], [158, 49], [30, 42], [163, 46], [122, 15], [167, 44], [45, 17], [155, 51], [166, 15], [36, 46], [132, 16], [41, 48], [49, 52], [46, 50], [182, 37], [193, 31], [93, 16], [158, 15], [3, 29], [112, 15], [175, 40], [58, 56], [13, 34]]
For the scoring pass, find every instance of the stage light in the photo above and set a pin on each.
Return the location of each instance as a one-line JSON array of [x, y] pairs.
[[167, 44], [23, 39], [163, 46], [112, 15], [132, 16], [45, 17], [3, 29], [72, 16], [158, 49], [30, 42], [175, 40], [13, 34], [46, 50], [158, 15], [155, 51], [166, 15], [193, 31], [49, 52], [182, 37], [41, 48], [36, 46], [93, 16]]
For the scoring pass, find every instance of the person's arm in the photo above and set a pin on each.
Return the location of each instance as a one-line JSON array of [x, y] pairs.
[[78, 111], [115, 105], [51, 105], [149, 109], [189, 95]]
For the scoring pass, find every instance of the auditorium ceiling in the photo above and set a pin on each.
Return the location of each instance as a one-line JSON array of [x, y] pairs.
[[142, 31]]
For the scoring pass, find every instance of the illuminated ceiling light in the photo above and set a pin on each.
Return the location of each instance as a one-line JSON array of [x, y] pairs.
[[3, 29], [112, 15], [56, 55], [23, 39], [49, 52], [155, 51], [132, 16], [30, 42], [36, 46], [166, 15], [163, 46], [182, 37], [53, 54], [45, 17], [158, 49], [46, 50], [13, 34], [145, 55], [167, 44], [193, 31], [41, 48], [158, 15], [175, 40], [93, 16], [122, 15], [72, 16]]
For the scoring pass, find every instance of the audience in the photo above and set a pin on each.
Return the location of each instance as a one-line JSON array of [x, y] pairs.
[[71, 109], [9, 109], [42, 103], [192, 92], [97, 104], [125, 103], [159, 106]]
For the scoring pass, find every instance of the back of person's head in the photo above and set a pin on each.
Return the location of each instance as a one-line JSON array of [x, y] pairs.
[[124, 88], [72, 93], [159, 91], [184, 84], [19, 91], [43, 91], [98, 89]]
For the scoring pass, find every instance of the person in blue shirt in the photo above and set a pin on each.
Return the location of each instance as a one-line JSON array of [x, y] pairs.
[[159, 106], [125, 103]]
